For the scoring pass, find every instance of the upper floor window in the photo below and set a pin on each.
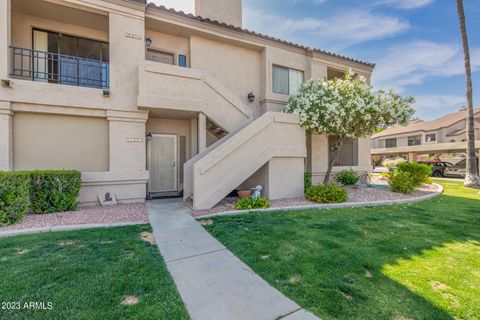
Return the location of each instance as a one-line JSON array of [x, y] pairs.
[[182, 60], [414, 140], [64, 59], [431, 137], [391, 143], [286, 81], [160, 56]]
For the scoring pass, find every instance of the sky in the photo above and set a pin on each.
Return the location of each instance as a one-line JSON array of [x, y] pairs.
[[415, 44]]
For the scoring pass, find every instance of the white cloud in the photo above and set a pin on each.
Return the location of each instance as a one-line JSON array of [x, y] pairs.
[[406, 4], [413, 63], [187, 6], [432, 106], [344, 28]]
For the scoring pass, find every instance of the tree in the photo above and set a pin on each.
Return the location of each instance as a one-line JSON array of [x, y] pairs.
[[347, 109], [471, 176]]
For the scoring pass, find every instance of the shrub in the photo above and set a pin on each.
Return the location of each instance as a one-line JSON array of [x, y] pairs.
[[13, 196], [307, 181], [401, 182], [420, 173], [347, 177], [388, 163], [54, 190], [252, 203], [327, 193]]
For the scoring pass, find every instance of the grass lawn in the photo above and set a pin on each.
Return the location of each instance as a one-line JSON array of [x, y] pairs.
[[419, 261], [87, 275]]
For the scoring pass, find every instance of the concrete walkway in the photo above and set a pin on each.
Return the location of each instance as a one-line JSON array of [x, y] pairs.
[[213, 283]]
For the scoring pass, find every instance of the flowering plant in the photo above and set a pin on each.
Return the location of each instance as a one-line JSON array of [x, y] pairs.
[[347, 108]]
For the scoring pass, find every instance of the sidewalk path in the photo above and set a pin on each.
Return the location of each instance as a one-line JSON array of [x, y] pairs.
[[213, 283]]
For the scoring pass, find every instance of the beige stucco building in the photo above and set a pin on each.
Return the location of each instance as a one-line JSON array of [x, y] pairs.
[[442, 135], [150, 101]]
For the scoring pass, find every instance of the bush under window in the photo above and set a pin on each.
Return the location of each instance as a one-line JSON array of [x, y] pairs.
[[327, 193], [347, 177]]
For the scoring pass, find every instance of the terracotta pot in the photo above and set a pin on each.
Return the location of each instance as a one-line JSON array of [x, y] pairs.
[[244, 193]]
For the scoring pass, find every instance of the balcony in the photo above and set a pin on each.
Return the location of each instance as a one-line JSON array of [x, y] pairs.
[[58, 68]]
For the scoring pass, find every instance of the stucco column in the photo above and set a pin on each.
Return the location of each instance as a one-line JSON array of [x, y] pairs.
[[412, 157], [127, 51], [193, 137], [6, 145], [364, 154], [5, 26], [318, 154], [202, 132]]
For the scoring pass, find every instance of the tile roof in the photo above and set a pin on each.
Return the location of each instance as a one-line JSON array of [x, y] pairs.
[[476, 125], [415, 126], [161, 8]]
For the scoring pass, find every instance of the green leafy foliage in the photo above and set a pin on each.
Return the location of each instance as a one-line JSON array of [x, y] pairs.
[[420, 173], [54, 190], [401, 182], [307, 180], [13, 196], [347, 177], [327, 193], [252, 203]]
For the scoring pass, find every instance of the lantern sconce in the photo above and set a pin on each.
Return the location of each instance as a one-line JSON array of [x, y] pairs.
[[251, 97], [149, 136], [148, 42]]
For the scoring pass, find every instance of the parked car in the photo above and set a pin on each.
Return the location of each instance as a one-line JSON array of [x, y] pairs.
[[458, 170], [438, 167]]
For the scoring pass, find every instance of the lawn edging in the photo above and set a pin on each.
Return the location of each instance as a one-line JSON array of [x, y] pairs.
[[329, 205], [72, 227]]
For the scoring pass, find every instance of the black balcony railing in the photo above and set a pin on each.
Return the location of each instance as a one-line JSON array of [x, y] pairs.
[[59, 68]]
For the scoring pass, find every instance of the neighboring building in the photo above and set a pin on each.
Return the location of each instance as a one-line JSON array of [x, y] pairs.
[[150, 101], [443, 135]]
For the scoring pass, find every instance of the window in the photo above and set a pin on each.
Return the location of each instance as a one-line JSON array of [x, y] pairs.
[[431, 137], [286, 81], [182, 61], [61, 63], [414, 140], [160, 56], [347, 155], [391, 143]]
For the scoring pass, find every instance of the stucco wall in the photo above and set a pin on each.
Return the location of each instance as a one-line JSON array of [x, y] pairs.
[[169, 43], [43, 141], [237, 68]]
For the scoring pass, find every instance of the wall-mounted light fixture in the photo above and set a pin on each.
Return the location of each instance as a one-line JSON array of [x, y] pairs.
[[251, 97], [106, 93], [6, 83], [148, 42], [149, 136]]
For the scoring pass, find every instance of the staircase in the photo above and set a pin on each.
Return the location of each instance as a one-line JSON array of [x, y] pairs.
[[212, 175]]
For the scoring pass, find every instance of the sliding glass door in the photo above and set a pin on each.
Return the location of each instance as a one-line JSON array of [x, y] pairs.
[[70, 60]]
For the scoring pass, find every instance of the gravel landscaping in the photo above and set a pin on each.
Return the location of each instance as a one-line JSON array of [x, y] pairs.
[[88, 215], [355, 195]]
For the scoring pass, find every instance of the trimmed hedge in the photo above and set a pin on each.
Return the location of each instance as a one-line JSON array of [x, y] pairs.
[[54, 190], [14, 188], [327, 193], [44, 191], [252, 203]]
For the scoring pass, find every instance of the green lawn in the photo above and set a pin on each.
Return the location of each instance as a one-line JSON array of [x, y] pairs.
[[419, 261], [87, 275]]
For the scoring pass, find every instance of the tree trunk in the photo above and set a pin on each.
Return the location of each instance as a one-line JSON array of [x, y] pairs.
[[471, 177], [334, 149]]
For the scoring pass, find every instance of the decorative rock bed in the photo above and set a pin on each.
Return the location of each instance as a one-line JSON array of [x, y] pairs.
[[117, 214], [357, 197]]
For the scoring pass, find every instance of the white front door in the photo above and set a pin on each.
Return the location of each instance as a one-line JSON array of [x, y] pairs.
[[162, 163]]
